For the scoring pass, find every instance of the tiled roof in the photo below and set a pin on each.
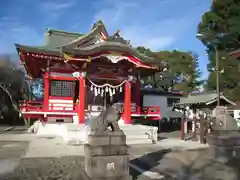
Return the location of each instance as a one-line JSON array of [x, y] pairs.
[[57, 40], [206, 98]]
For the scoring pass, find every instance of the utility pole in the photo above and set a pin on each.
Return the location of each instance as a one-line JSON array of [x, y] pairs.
[[217, 75]]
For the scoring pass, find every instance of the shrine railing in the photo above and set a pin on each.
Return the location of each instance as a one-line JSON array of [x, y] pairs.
[[151, 110], [26, 106], [148, 110]]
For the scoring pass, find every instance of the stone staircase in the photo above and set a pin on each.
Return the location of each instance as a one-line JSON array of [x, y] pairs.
[[135, 134], [77, 134]]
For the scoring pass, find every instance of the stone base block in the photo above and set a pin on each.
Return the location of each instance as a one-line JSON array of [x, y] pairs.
[[110, 138], [224, 154], [220, 140], [107, 166], [107, 150], [86, 177]]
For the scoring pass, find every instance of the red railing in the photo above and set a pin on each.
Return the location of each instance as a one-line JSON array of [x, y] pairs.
[[26, 106], [151, 110], [38, 106], [30, 106], [61, 107], [148, 110]]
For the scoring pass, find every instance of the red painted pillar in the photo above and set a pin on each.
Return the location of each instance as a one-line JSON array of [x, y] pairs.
[[46, 91], [127, 103], [81, 113]]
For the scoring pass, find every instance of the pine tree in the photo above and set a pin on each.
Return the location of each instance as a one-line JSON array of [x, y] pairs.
[[179, 70], [220, 28]]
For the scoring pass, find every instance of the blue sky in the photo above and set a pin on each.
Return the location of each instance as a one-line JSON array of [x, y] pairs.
[[156, 24]]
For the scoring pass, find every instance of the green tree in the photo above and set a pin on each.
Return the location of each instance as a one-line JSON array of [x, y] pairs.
[[178, 70], [184, 69], [12, 80], [220, 28]]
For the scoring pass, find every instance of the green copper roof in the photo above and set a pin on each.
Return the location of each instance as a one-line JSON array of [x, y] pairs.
[[57, 38], [205, 98], [108, 46], [57, 41], [97, 28]]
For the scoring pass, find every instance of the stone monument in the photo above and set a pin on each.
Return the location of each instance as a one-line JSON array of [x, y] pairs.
[[225, 136], [106, 153]]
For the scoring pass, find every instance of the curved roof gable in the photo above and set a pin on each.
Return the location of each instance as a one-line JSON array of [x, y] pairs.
[[58, 42], [97, 30]]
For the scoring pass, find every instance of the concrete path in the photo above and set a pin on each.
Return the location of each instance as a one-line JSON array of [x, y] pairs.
[[36, 147], [10, 155], [51, 147]]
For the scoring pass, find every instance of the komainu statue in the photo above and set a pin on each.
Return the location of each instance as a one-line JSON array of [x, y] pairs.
[[222, 121], [108, 118]]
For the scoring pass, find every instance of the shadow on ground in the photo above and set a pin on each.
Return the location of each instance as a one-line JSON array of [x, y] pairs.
[[187, 165], [13, 130], [155, 157]]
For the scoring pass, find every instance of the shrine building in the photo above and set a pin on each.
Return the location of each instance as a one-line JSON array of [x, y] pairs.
[[82, 73]]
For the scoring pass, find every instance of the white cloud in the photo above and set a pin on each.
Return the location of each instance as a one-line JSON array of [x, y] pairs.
[[54, 9], [146, 24], [56, 5], [20, 34], [159, 43], [140, 36]]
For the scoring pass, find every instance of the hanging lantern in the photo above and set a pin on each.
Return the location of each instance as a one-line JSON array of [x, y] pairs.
[[114, 91], [91, 88], [120, 89], [99, 90], [106, 89]]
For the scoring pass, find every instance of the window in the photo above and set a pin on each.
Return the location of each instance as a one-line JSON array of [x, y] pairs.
[[172, 101], [61, 88]]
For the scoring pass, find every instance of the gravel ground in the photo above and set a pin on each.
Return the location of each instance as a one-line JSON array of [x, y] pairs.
[[64, 168], [13, 130], [187, 165]]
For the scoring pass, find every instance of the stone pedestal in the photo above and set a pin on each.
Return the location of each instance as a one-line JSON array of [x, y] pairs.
[[225, 145], [106, 157], [225, 136]]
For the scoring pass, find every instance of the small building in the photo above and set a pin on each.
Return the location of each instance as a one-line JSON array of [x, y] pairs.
[[204, 100], [164, 99], [200, 101]]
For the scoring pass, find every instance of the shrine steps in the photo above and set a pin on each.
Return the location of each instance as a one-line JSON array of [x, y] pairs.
[[77, 134], [135, 134]]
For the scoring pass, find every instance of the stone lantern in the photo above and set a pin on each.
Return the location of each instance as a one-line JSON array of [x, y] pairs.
[[225, 136]]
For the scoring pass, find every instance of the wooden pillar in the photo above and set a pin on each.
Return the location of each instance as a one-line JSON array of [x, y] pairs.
[[127, 103], [202, 130], [46, 91], [186, 127], [194, 137], [193, 125], [182, 128], [81, 113]]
